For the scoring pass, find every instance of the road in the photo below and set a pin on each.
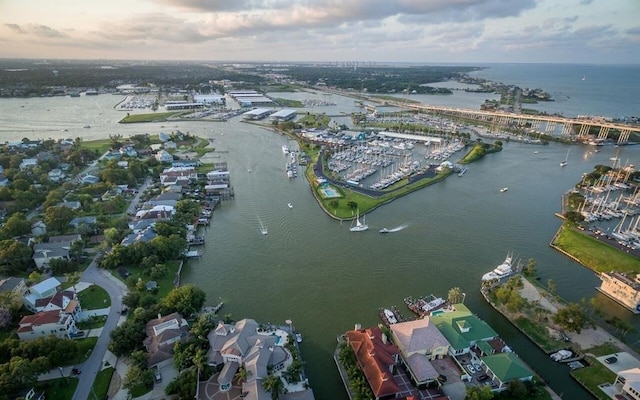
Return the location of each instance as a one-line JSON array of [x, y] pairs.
[[116, 290]]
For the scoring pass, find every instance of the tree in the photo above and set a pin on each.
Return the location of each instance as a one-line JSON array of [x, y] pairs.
[[137, 376], [127, 337], [14, 256], [242, 375], [185, 299], [478, 393], [58, 218], [517, 389], [455, 295], [16, 225], [35, 277], [273, 384], [551, 286], [571, 318], [5, 318], [530, 268]]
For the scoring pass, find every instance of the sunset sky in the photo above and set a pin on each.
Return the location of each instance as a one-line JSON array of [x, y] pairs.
[[549, 31]]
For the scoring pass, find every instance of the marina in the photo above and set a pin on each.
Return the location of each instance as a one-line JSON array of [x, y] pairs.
[[425, 306]]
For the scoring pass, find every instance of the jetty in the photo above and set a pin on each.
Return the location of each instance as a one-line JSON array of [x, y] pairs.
[[424, 306]]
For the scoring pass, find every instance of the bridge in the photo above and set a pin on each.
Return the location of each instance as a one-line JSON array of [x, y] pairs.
[[550, 123]]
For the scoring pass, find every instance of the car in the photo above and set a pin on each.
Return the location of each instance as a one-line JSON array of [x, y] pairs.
[[611, 360], [442, 378], [76, 371], [471, 369], [477, 367], [158, 376], [483, 378]]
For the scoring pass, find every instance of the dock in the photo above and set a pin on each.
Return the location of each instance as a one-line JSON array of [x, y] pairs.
[[424, 306], [396, 313]]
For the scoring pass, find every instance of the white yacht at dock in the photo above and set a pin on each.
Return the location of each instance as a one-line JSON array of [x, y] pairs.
[[501, 271]]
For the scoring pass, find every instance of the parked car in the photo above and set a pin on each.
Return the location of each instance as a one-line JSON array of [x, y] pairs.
[[611, 360], [158, 376], [483, 377], [471, 369]]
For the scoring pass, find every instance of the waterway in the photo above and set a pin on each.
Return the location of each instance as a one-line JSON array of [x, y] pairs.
[[311, 269]]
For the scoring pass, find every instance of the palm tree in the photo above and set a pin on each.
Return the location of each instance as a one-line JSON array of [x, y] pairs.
[[455, 295], [273, 383], [242, 375]]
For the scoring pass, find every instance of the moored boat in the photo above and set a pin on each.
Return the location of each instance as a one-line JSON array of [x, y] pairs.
[[501, 271], [390, 316]]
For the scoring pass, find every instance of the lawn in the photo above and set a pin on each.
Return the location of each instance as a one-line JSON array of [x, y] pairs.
[[84, 351], [538, 334], [59, 389], [592, 253], [603, 349], [96, 321], [102, 145], [165, 284], [150, 117], [94, 297], [594, 375], [101, 384]]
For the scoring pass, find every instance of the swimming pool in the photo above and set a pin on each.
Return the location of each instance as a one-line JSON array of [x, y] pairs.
[[329, 192]]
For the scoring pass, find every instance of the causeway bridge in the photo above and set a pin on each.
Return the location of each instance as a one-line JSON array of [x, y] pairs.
[[542, 123]]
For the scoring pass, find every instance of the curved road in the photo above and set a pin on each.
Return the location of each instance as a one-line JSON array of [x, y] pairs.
[[116, 290]]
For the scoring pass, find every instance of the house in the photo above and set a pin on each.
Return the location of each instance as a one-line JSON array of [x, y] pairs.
[[128, 151], [47, 323], [162, 333], [627, 383], [462, 329], [377, 357], [504, 368], [42, 290], [164, 156], [14, 287], [144, 235], [56, 175], [73, 205], [246, 344], [88, 220], [420, 342], [165, 199], [89, 179], [64, 300], [38, 228], [43, 253], [622, 288], [28, 163]]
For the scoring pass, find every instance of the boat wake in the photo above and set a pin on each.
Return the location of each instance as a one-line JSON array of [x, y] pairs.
[[396, 229]]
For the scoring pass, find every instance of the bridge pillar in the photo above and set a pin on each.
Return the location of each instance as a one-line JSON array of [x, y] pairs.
[[551, 126], [535, 124], [567, 129], [604, 132], [624, 136], [584, 130]]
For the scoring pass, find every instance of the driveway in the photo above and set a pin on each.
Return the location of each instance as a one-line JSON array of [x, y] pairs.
[[116, 290]]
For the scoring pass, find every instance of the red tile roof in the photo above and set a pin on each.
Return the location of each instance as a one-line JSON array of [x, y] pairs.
[[375, 358], [41, 318]]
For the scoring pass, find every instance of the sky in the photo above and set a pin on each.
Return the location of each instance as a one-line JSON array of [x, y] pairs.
[[423, 31]]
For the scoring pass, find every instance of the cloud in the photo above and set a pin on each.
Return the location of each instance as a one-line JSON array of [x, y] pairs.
[[37, 30]]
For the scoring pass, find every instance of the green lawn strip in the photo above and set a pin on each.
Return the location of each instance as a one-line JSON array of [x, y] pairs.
[[85, 347], [593, 253], [594, 375], [94, 297], [92, 322], [150, 117], [101, 384], [288, 102], [59, 389], [165, 284], [139, 390], [102, 145], [538, 333], [603, 349]]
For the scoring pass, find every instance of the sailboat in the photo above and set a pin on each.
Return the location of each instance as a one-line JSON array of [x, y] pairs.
[[563, 163], [359, 226]]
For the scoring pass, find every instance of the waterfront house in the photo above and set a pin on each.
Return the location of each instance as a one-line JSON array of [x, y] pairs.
[[504, 368], [246, 344], [622, 288], [419, 343], [463, 330], [47, 323], [162, 333], [627, 384], [377, 357]]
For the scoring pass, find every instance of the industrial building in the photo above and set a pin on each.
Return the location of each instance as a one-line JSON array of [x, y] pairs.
[[284, 115], [257, 113]]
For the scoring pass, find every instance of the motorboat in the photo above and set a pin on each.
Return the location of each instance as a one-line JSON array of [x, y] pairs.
[[504, 189], [384, 230], [501, 271], [299, 337], [359, 226], [289, 205], [390, 316]]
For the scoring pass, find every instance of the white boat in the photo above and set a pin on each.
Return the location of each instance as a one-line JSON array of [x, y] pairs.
[[384, 230], [263, 230], [501, 271], [504, 189], [390, 316], [359, 226], [299, 337], [285, 149], [289, 205], [561, 355], [563, 163]]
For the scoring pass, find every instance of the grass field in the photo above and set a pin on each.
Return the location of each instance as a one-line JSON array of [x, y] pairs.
[[102, 145], [151, 117], [101, 384], [594, 375], [539, 335], [93, 298], [594, 254], [59, 389], [165, 284]]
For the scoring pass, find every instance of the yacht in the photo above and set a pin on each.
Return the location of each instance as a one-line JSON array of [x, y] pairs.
[[501, 271], [390, 316], [359, 226]]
